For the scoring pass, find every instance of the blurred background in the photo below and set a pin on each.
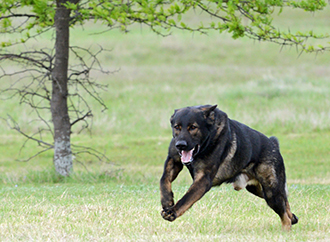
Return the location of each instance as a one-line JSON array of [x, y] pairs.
[[275, 89]]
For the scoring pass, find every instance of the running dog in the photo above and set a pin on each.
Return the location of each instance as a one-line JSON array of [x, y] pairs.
[[217, 150]]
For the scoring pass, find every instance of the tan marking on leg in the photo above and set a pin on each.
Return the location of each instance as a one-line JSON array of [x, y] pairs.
[[286, 222], [199, 187], [288, 210]]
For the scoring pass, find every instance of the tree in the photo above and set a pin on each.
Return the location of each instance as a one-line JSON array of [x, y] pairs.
[[49, 77], [58, 103]]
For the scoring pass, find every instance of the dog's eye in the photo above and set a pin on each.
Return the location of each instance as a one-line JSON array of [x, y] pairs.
[[177, 127], [192, 127]]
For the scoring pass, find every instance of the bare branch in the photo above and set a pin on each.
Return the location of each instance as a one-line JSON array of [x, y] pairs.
[[17, 128], [40, 152], [34, 58], [34, 90], [88, 114], [77, 150], [82, 164]]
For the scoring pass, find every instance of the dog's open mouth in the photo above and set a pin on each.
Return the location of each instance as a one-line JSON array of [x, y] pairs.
[[188, 156]]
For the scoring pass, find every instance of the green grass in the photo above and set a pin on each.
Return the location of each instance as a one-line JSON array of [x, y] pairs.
[[274, 91], [108, 212]]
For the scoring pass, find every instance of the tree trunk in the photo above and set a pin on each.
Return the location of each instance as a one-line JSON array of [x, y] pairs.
[[59, 107]]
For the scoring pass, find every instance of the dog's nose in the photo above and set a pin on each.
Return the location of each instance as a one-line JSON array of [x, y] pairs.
[[181, 145]]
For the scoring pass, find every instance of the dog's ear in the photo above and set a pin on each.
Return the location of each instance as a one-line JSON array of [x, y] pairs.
[[172, 117], [209, 113]]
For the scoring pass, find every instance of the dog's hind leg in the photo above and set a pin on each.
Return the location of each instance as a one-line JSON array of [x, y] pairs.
[[279, 203], [275, 192], [292, 216]]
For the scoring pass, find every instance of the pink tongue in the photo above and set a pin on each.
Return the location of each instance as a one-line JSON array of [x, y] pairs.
[[186, 156]]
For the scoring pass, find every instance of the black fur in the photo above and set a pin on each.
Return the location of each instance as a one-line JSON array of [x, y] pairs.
[[217, 149]]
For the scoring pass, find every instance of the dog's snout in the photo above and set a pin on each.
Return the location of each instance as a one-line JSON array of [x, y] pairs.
[[181, 145]]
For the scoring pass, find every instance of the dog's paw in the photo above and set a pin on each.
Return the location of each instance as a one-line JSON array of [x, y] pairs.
[[169, 214], [294, 219]]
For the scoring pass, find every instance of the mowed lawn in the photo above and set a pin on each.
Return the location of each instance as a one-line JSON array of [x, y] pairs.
[[109, 212], [272, 89]]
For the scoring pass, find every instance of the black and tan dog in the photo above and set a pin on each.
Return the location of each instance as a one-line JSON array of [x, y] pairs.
[[217, 149]]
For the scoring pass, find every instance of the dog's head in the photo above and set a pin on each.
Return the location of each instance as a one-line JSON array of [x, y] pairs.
[[191, 127]]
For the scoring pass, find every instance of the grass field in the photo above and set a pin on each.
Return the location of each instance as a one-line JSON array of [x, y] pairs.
[[109, 212], [274, 91]]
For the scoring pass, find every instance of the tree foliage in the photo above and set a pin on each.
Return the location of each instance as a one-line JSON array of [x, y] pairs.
[[251, 18]]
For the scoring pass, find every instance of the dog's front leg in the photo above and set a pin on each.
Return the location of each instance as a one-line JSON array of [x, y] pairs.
[[171, 171], [202, 184]]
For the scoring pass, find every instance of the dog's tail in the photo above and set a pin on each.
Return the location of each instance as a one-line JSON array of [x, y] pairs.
[[275, 142]]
